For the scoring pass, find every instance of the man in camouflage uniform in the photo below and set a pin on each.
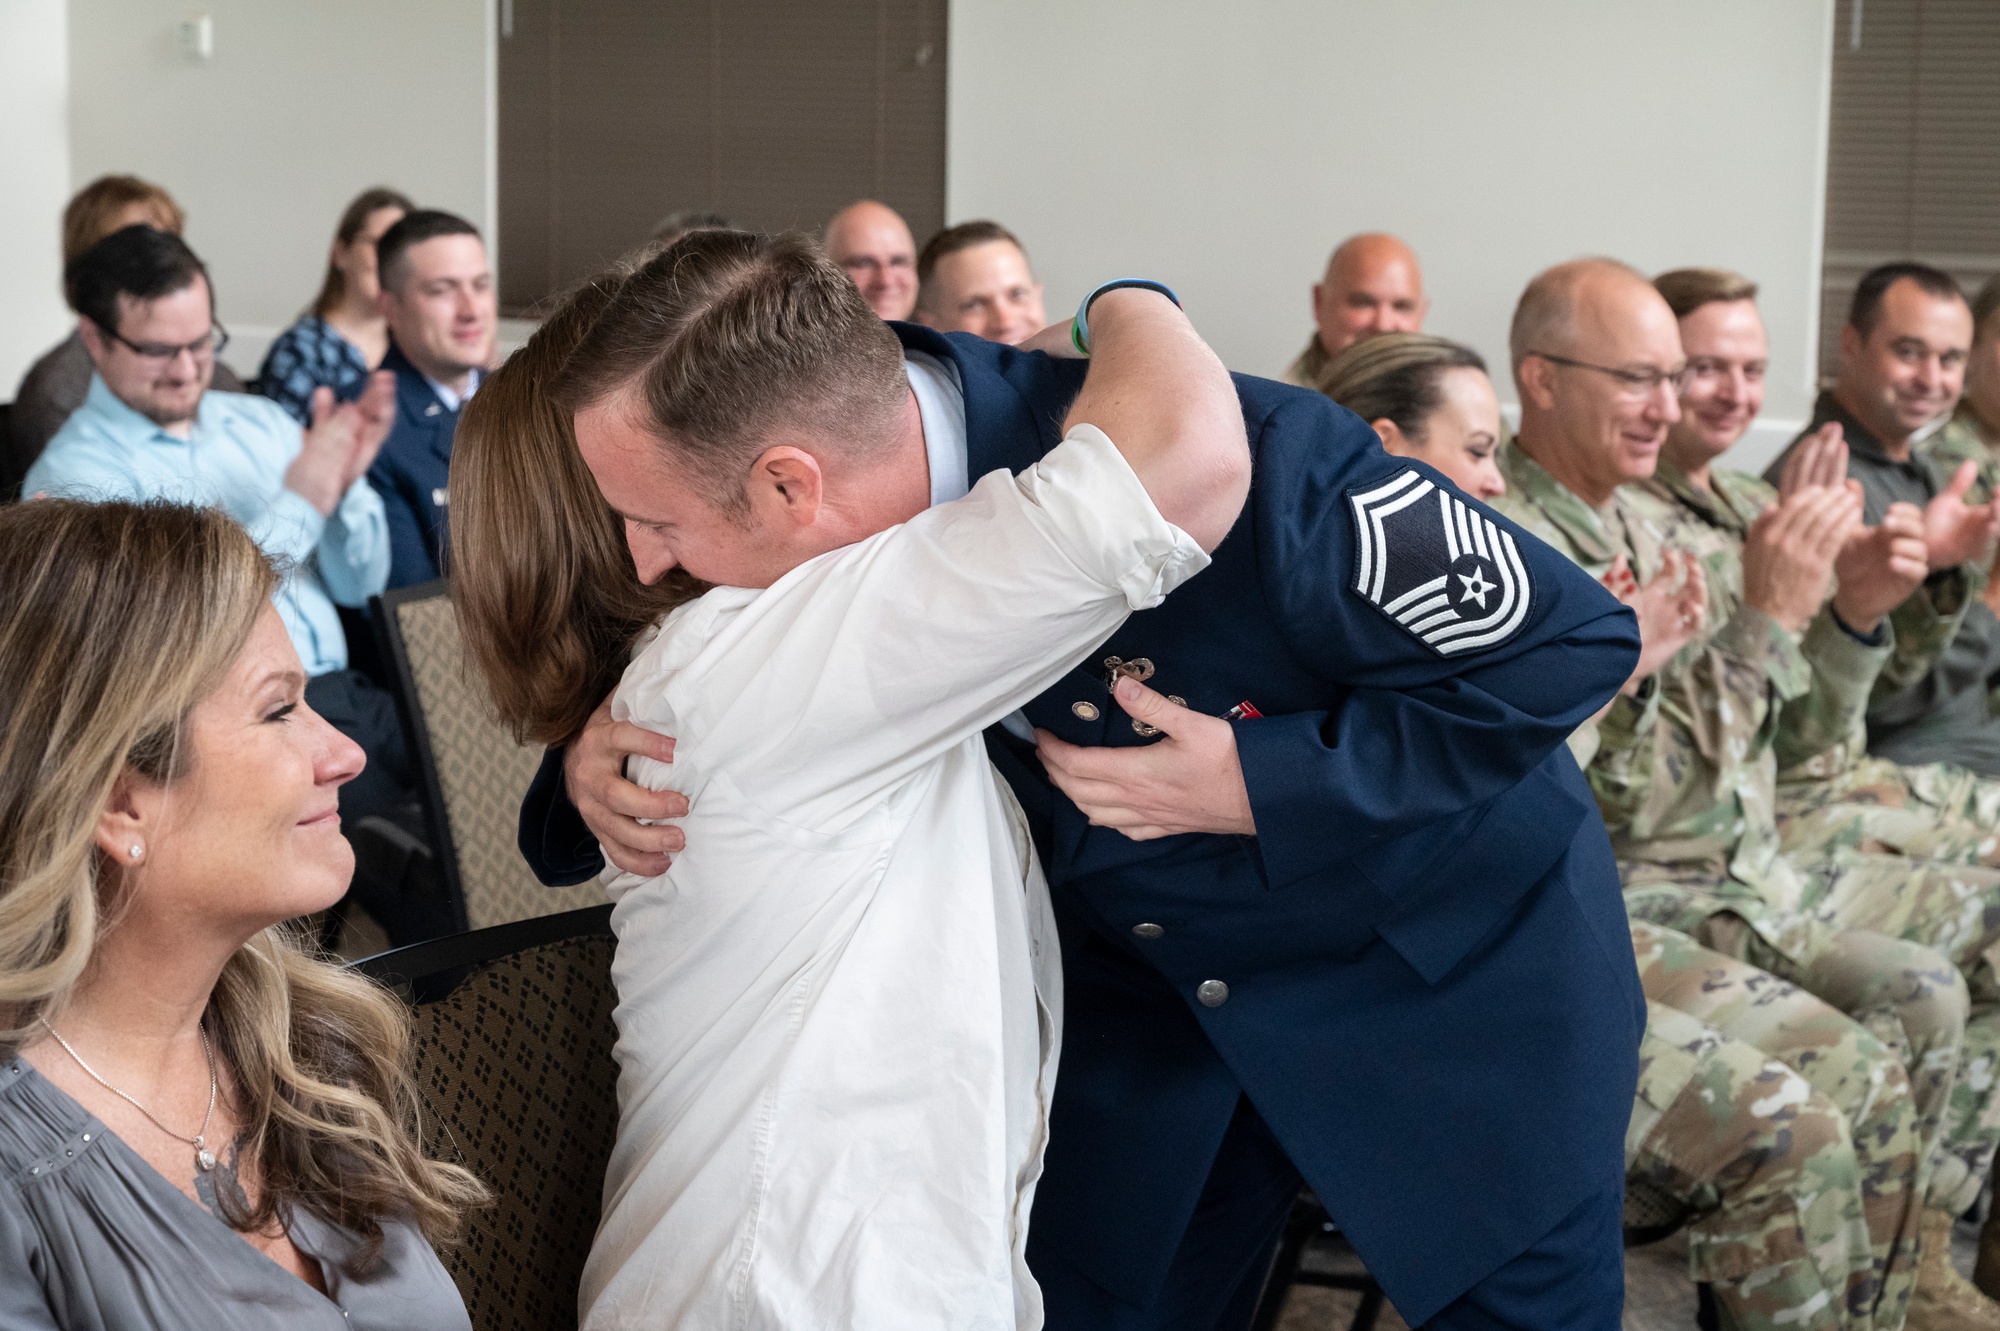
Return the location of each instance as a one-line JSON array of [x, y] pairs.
[[1685, 762], [1372, 285]]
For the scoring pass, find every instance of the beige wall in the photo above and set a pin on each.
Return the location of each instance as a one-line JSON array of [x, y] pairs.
[[1227, 148], [302, 106], [34, 181]]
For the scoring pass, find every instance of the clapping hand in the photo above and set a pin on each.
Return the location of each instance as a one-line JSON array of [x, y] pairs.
[[1672, 608], [1881, 567], [342, 441], [1956, 532], [1789, 552], [1818, 460]]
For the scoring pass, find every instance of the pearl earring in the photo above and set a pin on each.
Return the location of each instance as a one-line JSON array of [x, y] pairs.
[[137, 850]]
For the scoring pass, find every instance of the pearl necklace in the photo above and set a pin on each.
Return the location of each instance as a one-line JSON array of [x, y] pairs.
[[204, 1159]]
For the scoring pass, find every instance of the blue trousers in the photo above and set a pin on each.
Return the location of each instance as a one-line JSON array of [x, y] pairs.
[[1571, 1279]]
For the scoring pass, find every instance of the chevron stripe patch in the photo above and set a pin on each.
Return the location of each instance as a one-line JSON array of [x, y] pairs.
[[1437, 566]]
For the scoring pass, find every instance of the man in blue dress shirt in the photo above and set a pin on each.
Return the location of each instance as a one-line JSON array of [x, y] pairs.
[[151, 427], [437, 294], [1341, 910]]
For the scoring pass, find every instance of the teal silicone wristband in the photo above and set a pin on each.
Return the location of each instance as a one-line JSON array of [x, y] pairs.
[[1079, 329]]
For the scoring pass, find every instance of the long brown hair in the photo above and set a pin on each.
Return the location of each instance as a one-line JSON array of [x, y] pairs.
[[333, 287], [548, 599], [115, 620]]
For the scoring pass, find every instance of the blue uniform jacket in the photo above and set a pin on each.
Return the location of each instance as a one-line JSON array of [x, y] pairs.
[[411, 473], [1432, 998]]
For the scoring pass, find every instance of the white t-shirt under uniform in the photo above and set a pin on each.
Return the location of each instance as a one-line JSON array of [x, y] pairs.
[[839, 1011]]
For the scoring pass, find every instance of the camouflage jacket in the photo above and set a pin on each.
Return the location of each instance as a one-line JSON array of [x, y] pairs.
[[1685, 773], [1824, 732], [1957, 442]]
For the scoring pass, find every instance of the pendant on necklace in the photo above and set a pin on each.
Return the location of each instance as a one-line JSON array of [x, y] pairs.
[[204, 1159]]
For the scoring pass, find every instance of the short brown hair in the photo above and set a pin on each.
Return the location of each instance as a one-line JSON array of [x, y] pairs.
[[728, 336], [1986, 309], [548, 599], [1866, 308], [352, 218], [92, 213], [1688, 289], [950, 241]]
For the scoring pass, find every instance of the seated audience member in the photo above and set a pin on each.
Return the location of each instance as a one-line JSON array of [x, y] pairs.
[[1973, 432], [54, 386], [1903, 355], [1722, 1040], [1429, 399], [675, 225], [872, 242], [151, 429], [974, 278], [344, 336], [1683, 763], [437, 294], [1831, 795], [201, 1125], [1372, 285]]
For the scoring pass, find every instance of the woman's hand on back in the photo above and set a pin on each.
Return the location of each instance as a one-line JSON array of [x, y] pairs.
[[612, 806]]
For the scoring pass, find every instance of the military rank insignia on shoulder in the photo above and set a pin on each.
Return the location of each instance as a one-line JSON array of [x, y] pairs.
[[1441, 569]]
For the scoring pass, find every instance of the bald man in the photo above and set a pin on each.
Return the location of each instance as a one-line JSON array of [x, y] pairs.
[[1372, 285], [872, 242], [1684, 765]]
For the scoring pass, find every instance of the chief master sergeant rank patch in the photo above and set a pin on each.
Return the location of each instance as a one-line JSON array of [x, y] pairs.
[[1448, 574]]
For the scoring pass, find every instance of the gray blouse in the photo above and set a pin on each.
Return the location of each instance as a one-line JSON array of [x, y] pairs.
[[92, 1238]]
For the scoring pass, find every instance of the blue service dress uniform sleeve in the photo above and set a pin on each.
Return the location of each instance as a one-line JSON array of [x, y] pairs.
[[1421, 736], [552, 836]]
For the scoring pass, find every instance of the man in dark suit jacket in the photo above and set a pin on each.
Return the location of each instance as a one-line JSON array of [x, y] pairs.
[[1366, 929], [437, 294]]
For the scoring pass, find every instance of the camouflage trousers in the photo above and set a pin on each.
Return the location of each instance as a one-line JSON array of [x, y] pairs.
[[1953, 910], [1899, 917], [1788, 1131], [1932, 812]]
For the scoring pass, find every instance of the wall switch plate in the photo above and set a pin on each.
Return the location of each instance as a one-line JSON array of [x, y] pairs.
[[195, 36]]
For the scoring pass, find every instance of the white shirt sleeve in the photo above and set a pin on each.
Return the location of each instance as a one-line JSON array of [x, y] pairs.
[[860, 666]]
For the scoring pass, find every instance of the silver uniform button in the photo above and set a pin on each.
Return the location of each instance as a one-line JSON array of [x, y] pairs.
[[1212, 993], [1084, 711], [1148, 930]]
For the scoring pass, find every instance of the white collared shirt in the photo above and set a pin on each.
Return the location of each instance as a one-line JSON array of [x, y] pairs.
[[839, 1011], [451, 399]]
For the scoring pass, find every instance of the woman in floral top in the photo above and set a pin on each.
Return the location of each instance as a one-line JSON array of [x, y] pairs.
[[344, 336]]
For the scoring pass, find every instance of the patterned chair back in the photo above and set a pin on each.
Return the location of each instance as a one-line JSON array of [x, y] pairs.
[[474, 774], [513, 1061]]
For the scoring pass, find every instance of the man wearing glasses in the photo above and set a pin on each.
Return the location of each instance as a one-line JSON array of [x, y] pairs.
[[151, 428], [1730, 685]]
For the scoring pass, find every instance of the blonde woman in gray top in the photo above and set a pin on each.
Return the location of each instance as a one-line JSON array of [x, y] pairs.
[[201, 1126]]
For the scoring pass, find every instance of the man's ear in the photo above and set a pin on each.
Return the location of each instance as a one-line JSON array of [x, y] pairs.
[[1851, 342], [94, 340], [1536, 380], [787, 483]]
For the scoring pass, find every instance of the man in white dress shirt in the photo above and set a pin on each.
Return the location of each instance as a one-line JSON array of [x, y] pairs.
[[839, 1010]]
